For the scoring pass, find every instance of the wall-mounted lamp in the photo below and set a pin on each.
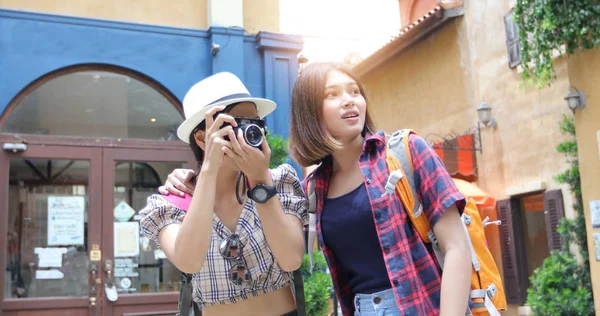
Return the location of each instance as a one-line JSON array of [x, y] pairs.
[[302, 59], [484, 112], [575, 99], [302, 62], [215, 48]]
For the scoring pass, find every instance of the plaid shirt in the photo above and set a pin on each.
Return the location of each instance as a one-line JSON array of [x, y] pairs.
[[411, 265], [211, 285]]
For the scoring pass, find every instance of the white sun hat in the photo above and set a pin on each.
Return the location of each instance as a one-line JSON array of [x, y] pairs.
[[223, 88]]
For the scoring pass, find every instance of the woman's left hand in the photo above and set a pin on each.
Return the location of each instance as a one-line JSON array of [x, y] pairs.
[[253, 162]]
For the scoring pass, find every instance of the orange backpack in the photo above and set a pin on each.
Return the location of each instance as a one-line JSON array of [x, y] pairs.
[[487, 291]]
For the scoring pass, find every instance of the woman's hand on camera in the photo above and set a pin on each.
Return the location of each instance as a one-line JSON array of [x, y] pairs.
[[252, 161], [214, 139]]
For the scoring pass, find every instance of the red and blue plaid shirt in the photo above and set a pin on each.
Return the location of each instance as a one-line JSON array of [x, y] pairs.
[[411, 265]]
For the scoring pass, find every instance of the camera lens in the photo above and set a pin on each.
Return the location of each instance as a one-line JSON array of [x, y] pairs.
[[252, 135]]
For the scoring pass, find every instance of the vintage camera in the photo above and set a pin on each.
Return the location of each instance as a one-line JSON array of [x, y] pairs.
[[251, 130]]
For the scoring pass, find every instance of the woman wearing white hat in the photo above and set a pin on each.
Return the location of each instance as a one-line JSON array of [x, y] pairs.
[[240, 246]]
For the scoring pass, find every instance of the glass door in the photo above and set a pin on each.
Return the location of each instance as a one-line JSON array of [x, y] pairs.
[[51, 217], [136, 272]]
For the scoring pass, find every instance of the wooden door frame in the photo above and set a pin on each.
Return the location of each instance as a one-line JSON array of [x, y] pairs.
[[100, 152], [94, 156], [109, 157]]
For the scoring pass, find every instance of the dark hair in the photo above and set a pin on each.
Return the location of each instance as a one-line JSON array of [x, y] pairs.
[[198, 152], [310, 141]]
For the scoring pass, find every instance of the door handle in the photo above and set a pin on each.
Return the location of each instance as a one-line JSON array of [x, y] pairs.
[[93, 273], [109, 285], [108, 268]]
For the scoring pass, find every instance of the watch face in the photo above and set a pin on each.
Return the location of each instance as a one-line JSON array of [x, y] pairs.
[[260, 194]]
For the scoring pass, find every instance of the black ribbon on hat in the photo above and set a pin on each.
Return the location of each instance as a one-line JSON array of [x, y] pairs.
[[231, 97]]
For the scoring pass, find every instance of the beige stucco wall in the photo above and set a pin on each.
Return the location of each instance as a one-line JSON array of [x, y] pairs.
[[261, 15], [177, 13], [436, 85], [522, 149], [405, 90], [583, 74]]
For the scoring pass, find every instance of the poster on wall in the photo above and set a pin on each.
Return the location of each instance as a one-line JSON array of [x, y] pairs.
[[127, 239], [65, 220], [595, 213]]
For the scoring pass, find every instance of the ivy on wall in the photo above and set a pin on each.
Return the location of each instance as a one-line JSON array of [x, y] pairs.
[[562, 285], [547, 25]]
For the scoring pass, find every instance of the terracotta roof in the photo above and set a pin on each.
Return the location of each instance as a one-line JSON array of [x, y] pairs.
[[407, 36]]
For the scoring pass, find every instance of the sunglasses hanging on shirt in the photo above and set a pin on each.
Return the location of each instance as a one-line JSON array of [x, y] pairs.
[[231, 249]]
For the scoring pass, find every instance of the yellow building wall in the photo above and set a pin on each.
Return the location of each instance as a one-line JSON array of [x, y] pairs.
[[583, 74], [176, 13], [405, 90], [435, 86], [261, 15]]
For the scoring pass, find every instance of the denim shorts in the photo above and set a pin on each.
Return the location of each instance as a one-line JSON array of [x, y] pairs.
[[377, 304]]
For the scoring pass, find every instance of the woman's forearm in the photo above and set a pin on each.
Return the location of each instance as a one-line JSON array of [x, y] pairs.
[[193, 240], [283, 232], [456, 282]]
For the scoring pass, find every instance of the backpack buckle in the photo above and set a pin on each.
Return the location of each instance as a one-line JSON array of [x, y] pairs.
[[491, 290], [392, 181], [467, 219], [395, 138]]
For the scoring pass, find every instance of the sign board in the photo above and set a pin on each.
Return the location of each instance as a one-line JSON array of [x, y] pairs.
[[123, 212], [65, 220]]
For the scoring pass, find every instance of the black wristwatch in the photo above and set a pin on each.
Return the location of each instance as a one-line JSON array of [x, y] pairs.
[[262, 193]]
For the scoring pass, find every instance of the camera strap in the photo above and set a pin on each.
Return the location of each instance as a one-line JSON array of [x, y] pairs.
[[241, 178]]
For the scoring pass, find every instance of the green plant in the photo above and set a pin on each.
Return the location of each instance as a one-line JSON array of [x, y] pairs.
[[318, 287], [559, 287], [546, 25], [279, 153], [562, 286]]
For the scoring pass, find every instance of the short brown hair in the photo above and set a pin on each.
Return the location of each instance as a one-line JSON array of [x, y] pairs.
[[310, 141]]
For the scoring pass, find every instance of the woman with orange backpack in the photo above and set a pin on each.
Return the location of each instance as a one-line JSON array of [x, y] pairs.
[[379, 262]]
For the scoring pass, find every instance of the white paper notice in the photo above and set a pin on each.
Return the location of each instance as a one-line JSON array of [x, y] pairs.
[[65, 220], [48, 274], [595, 212], [127, 239], [50, 257]]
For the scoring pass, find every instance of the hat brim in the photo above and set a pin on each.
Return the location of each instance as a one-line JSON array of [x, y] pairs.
[[263, 106]]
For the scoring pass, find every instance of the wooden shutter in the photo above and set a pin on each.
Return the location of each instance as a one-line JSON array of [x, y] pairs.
[[554, 211], [514, 258], [512, 40]]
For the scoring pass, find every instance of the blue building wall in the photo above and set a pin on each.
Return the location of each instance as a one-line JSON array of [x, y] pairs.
[[33, 45]]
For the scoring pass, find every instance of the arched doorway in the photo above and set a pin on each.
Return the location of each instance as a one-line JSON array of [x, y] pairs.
[[83, 148]]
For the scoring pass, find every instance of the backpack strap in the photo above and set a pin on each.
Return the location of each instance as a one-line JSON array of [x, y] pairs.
[[399, 161], [486, 294], [402, 179], [312, 218], [185, 297], [299, 293]]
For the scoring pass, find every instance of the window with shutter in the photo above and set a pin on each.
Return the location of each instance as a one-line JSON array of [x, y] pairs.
[[513, 254], [512, 40], [554, 211]]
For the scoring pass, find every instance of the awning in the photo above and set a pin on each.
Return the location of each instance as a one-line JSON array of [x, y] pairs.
[[458, 155], [482, 198]]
